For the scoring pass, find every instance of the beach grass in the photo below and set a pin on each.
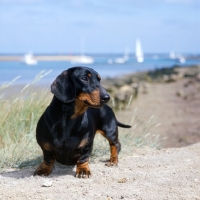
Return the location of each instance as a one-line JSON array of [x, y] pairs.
[[19, 115], [20, 112]]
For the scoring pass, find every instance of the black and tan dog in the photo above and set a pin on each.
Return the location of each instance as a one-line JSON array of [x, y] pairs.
[[66, 130]]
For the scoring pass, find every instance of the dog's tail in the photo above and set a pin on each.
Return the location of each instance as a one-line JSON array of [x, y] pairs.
[[123, 125]]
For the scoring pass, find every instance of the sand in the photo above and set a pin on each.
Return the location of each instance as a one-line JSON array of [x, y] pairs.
[[147, 174], [169, 173]]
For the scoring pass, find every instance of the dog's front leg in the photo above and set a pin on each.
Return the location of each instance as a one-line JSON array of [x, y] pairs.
[[83, 170], [46, 166], [82, 166]]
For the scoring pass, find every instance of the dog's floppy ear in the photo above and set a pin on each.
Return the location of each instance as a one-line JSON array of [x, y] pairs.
[[63, 87]]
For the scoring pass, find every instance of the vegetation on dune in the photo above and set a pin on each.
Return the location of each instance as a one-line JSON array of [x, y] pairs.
[[19, 116]]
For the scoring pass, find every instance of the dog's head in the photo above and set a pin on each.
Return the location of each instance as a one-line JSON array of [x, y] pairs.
[[80, 83]]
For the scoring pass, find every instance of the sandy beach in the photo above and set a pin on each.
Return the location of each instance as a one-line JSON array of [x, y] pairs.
[[148, 174], [178, 116], [171, 172]]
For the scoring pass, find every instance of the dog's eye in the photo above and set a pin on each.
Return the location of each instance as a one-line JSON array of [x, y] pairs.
[[84, 78]]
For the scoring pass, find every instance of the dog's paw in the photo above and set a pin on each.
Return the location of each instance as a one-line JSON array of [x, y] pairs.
[[43, 169], [83, 170], [113, 162], [41, 173]]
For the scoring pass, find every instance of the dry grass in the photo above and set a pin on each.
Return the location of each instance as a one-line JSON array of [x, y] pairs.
[[19, 115]]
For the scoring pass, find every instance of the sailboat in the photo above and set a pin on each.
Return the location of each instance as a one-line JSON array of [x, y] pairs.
[[179, 57], [82, 59], [172, 55], [138, 52], [125, 58], [29, 59]]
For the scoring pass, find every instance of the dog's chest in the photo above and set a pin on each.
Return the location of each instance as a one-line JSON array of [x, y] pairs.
[[70, 134]]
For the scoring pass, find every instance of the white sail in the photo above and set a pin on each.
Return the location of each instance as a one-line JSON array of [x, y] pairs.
[[125, 58], [177, 56], [29, 59], [172, 55], [82, 60], [138, 52]]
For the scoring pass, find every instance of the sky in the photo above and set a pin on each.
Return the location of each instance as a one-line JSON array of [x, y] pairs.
[[99, 26]]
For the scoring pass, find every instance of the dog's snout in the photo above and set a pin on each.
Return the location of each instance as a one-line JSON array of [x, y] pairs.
[[105, 98]]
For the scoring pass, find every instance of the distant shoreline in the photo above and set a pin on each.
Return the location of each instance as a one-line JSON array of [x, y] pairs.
[[40, 58], [63, 57]]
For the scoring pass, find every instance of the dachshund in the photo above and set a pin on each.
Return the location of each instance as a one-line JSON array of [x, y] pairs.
[[66, 130]]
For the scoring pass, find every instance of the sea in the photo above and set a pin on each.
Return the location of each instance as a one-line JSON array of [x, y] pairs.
[[45, 72]]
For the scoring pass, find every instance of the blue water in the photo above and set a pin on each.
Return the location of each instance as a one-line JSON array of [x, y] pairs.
[[10, 70]]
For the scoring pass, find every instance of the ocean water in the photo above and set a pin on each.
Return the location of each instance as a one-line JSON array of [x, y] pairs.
[[28, 73]]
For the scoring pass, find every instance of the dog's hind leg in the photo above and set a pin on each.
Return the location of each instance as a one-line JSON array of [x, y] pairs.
[[115, 146]]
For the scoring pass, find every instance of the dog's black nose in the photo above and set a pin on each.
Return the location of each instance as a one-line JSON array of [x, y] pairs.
[[105, 98]]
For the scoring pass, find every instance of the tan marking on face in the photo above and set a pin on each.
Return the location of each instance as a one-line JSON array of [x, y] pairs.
[[65, 73], [79, 109], [83, 143], [99, 76], [93, 98], [89, 75]]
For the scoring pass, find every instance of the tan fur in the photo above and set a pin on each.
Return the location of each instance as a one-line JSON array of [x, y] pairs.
[[113, 150], [93, 98], [80, 108], [113, 156], [47, 146], [44, 168], [82, 170], [101, 132], [83, 143]]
